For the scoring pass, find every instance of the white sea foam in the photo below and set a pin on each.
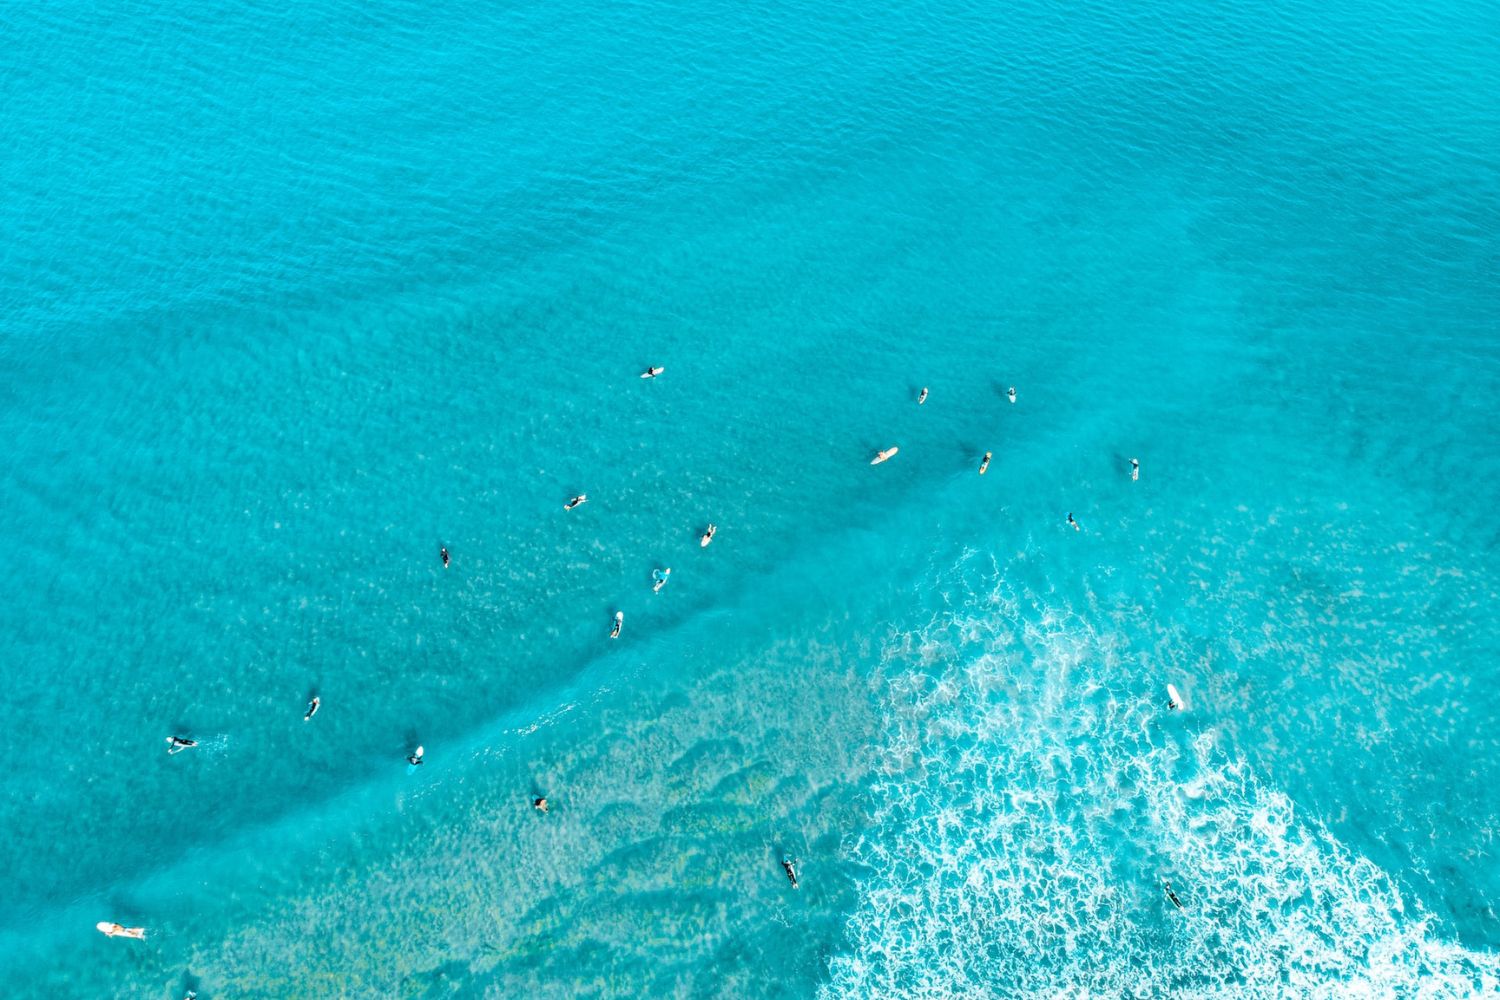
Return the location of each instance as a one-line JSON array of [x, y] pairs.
[[1035, 796]]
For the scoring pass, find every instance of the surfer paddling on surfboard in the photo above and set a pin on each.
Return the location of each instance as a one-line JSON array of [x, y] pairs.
[[1012, 394], [652, 372], [1135, 470], [985, 464], [312, 708], [444, 553], [1073, 523], [117, 930], [660, 576], [882, 456], [1174, 699], [177, 744], [415, 758], [1172, 895], [790, 867], [708, 536], [922, 396], [614, 633], [580, 498]]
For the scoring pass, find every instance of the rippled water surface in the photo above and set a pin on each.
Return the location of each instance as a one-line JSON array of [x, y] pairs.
[[295, 296]]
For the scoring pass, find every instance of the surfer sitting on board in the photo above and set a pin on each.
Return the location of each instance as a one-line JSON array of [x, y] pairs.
[[539, 804], [1135, 470], [652, 372], [444, 553], [1012, 394], [985, 464], [415, 759], [922, 396], [580, 498], [177, 744], [1073, 523], [881, 456], [1174, 699]]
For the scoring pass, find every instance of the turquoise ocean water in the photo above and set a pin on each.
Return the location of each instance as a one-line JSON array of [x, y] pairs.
[[291, 296]]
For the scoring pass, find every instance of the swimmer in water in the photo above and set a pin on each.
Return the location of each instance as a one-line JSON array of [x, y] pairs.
[[614, 633], [1073, 523], [984, 465], [922, 396], [660, 576], [790, 867], [580, 498], [312, 707], [539, 804], [652, 372], [1172, 895], [708, 536], [118, 930], [415, 759], [444, 553], [1012, 394], [1135, 470], [177, 744]]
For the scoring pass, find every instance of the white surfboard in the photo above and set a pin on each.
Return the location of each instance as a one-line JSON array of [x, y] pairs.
[[1174, 698], [652, 372], [884, 455]]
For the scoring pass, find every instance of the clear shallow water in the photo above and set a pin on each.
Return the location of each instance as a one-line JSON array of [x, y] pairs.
[[294, 297]]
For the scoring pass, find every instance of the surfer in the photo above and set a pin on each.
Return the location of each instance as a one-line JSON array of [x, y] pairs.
[[1174, 699], [312, 707], [922, 396], [1012, 394], [652, 372], [984, 465], [614, 633], [444, 553], [708, 536], [415, 759], [1073, 523], [1135, 470], [580, 498], [1172, 895], [177, 744], [881, 456], [539, 803], [790, 867], [660, 576], [118, 930]]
